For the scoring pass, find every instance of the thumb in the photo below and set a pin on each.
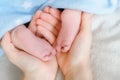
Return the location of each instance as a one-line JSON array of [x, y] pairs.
[[8, 46]]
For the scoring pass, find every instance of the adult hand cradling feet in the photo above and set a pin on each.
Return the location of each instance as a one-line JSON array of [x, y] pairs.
[[75, 64], [38, 41], [33, 68]]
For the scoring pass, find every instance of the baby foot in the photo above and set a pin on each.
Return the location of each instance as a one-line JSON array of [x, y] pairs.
[[46, 24], [70, 26], [25, 40], [49, 18]]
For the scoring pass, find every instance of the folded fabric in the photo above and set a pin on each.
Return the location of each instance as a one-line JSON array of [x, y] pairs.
[[92, 6], [16, 12]]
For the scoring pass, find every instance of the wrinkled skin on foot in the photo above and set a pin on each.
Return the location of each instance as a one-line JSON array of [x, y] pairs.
[[24, 39], [70, 21], [41, 34]]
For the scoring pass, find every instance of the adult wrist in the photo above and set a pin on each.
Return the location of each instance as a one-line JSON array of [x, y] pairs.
[[79, 76], [81, 72], [31, 77], [38, 76]]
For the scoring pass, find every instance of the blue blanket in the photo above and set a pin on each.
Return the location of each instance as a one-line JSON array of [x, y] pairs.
[[16, 12]]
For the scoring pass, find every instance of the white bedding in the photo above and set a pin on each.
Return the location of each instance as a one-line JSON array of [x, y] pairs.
[[105, 54]]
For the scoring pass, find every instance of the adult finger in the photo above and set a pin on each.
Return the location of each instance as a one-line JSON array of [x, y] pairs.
[[48, 26], [82, 44], [49, 18], [86, 22], [46, 34], [33, 25], [54, 13]]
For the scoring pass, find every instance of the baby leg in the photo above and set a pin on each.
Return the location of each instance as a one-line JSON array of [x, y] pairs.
[[70, 27], [25, 40]]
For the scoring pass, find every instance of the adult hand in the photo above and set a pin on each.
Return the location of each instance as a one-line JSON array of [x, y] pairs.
[[33, 68], [75, 63]]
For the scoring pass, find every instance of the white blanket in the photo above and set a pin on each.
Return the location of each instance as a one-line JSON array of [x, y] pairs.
[[105, 54]]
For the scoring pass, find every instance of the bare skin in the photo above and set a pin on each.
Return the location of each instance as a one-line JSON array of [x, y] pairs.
[[74, 64], [33, 68], [70, 24], [24, 39], [70, 20], [81, 56], [30, 42], [49, 19]]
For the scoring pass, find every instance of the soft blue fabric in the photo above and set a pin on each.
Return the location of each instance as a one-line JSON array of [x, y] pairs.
[[92, 6], [16, 12]]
